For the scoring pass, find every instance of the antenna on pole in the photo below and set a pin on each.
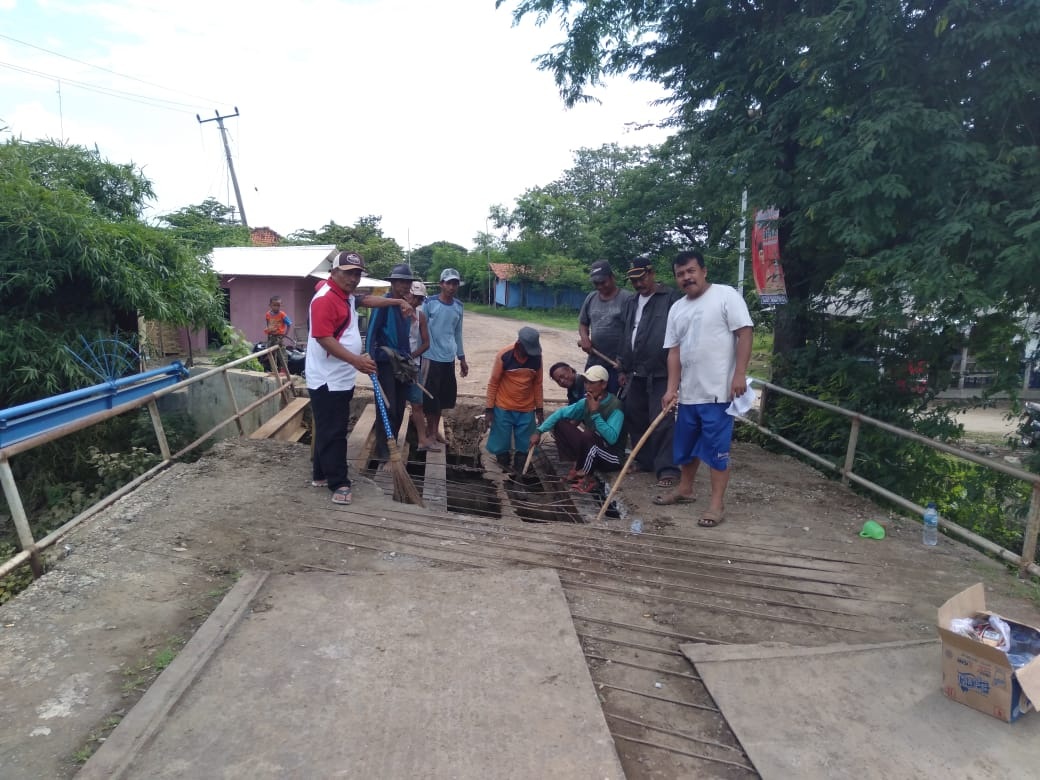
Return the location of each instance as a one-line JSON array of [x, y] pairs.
[[227, 151]]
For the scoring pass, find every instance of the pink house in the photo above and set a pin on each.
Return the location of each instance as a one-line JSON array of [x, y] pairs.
[[250, 275]]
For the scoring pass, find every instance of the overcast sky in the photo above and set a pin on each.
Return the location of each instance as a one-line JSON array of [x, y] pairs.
[[424, 112]]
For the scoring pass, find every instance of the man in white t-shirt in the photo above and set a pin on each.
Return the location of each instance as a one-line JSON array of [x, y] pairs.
[[708, 338]]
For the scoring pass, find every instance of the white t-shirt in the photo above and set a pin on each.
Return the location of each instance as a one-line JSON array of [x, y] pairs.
[[321, 367], [640, 305], [703, 329]]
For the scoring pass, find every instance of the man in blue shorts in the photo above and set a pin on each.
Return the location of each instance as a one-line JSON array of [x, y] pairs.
[[708, 338], [437, 374]]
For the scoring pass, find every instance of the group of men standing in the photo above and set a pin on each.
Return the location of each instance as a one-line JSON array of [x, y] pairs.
[[648, 350], [405, 325]]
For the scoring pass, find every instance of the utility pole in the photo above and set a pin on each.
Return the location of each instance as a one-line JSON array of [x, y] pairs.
[[743, 242], [227, 151]]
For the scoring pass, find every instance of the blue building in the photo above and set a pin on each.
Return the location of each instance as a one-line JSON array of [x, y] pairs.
[[513, 292]]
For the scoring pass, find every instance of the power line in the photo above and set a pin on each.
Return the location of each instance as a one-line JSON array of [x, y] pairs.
[[107, 70], [147, 100]]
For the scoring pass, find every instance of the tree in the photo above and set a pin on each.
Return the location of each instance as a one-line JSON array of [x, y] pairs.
[[422, 259], [77, 262], [898, 140], [365, 237], [206, 225]]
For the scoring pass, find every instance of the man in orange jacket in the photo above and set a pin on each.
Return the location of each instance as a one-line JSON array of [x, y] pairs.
[[514, 398]]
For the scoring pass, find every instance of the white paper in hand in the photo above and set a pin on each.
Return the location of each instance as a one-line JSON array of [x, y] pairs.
[[742, 404]]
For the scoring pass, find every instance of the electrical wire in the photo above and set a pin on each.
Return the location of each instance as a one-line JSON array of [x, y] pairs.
[[109, 70]]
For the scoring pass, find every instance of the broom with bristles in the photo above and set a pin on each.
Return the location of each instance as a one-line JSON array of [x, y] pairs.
[[404, 489]]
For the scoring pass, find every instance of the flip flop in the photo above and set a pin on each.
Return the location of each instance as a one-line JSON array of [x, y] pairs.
[[342, 495], [666, 482], [711, 519], [319, 483], [668, 499]]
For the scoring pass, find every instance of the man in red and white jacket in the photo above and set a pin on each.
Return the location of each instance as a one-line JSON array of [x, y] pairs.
[[334, 358]]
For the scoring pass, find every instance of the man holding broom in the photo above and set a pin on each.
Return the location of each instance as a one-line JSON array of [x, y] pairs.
[[334, 358]]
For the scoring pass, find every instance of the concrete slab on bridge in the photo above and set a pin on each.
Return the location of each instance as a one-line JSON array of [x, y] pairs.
[[433, 674]]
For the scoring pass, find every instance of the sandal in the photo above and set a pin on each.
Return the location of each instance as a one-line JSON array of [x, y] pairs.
[[342, 495], [666, 482], [668, 499], [711, 519], [319, 483], [586, 484]]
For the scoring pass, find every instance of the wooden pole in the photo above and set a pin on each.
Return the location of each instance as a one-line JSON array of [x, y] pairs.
[[635, 451]]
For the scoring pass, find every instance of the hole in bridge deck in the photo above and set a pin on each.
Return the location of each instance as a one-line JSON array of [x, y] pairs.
[[468, 491]]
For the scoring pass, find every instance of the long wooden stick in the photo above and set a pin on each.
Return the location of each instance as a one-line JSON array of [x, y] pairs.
[[613, 363], [635, 451], [530, 454]]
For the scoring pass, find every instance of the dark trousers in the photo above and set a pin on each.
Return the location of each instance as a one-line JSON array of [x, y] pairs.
[[396, 394], [331, 412], [586, 449], [642, 405]]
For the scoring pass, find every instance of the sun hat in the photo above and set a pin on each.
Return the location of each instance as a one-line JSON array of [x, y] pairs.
[[872, 530], [402, 272], [418, 288], [528, 338], [596, 374]]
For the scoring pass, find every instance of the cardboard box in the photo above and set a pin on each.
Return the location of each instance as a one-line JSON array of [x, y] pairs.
[[981, 676]]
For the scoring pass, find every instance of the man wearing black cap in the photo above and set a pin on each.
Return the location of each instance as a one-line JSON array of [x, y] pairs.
[[644, 370], [514, 398], [601, 322], [388, 345]]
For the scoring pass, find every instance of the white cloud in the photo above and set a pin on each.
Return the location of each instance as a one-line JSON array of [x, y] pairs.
[[426, 113]]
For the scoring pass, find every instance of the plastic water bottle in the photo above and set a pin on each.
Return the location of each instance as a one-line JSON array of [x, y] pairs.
[[930, 532]]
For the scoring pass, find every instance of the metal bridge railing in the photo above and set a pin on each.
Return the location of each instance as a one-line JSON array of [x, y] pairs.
[[31, 547], [1026, 562]]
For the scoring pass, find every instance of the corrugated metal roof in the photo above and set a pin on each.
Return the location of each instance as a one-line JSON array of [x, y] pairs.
[[293, 261]]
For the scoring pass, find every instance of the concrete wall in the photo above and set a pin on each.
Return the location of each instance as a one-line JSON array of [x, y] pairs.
[[208, 403]]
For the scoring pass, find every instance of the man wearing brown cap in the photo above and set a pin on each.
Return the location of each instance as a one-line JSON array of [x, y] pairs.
[[514, 398], [601, 321], [334, 359], [644, 370]]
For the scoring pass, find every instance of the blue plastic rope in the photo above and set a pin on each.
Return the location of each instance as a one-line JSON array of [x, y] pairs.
[[382, 407]]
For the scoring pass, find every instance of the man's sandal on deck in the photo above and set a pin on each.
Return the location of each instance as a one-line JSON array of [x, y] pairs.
[[711, 519], [675, 497]]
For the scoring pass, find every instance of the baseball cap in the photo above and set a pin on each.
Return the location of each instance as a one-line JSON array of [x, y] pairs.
[[418, 288], [348, 261], [450, 274], [401, 271], [596, 374], [638, 267], [600, 270], [528, 339]]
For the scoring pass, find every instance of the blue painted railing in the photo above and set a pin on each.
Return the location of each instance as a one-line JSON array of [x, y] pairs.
[[37, 417]]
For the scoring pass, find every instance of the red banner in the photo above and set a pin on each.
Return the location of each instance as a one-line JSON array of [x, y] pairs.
[[765, 258]]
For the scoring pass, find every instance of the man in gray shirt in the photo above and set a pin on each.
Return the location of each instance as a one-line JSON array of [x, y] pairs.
[[601, 322]]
